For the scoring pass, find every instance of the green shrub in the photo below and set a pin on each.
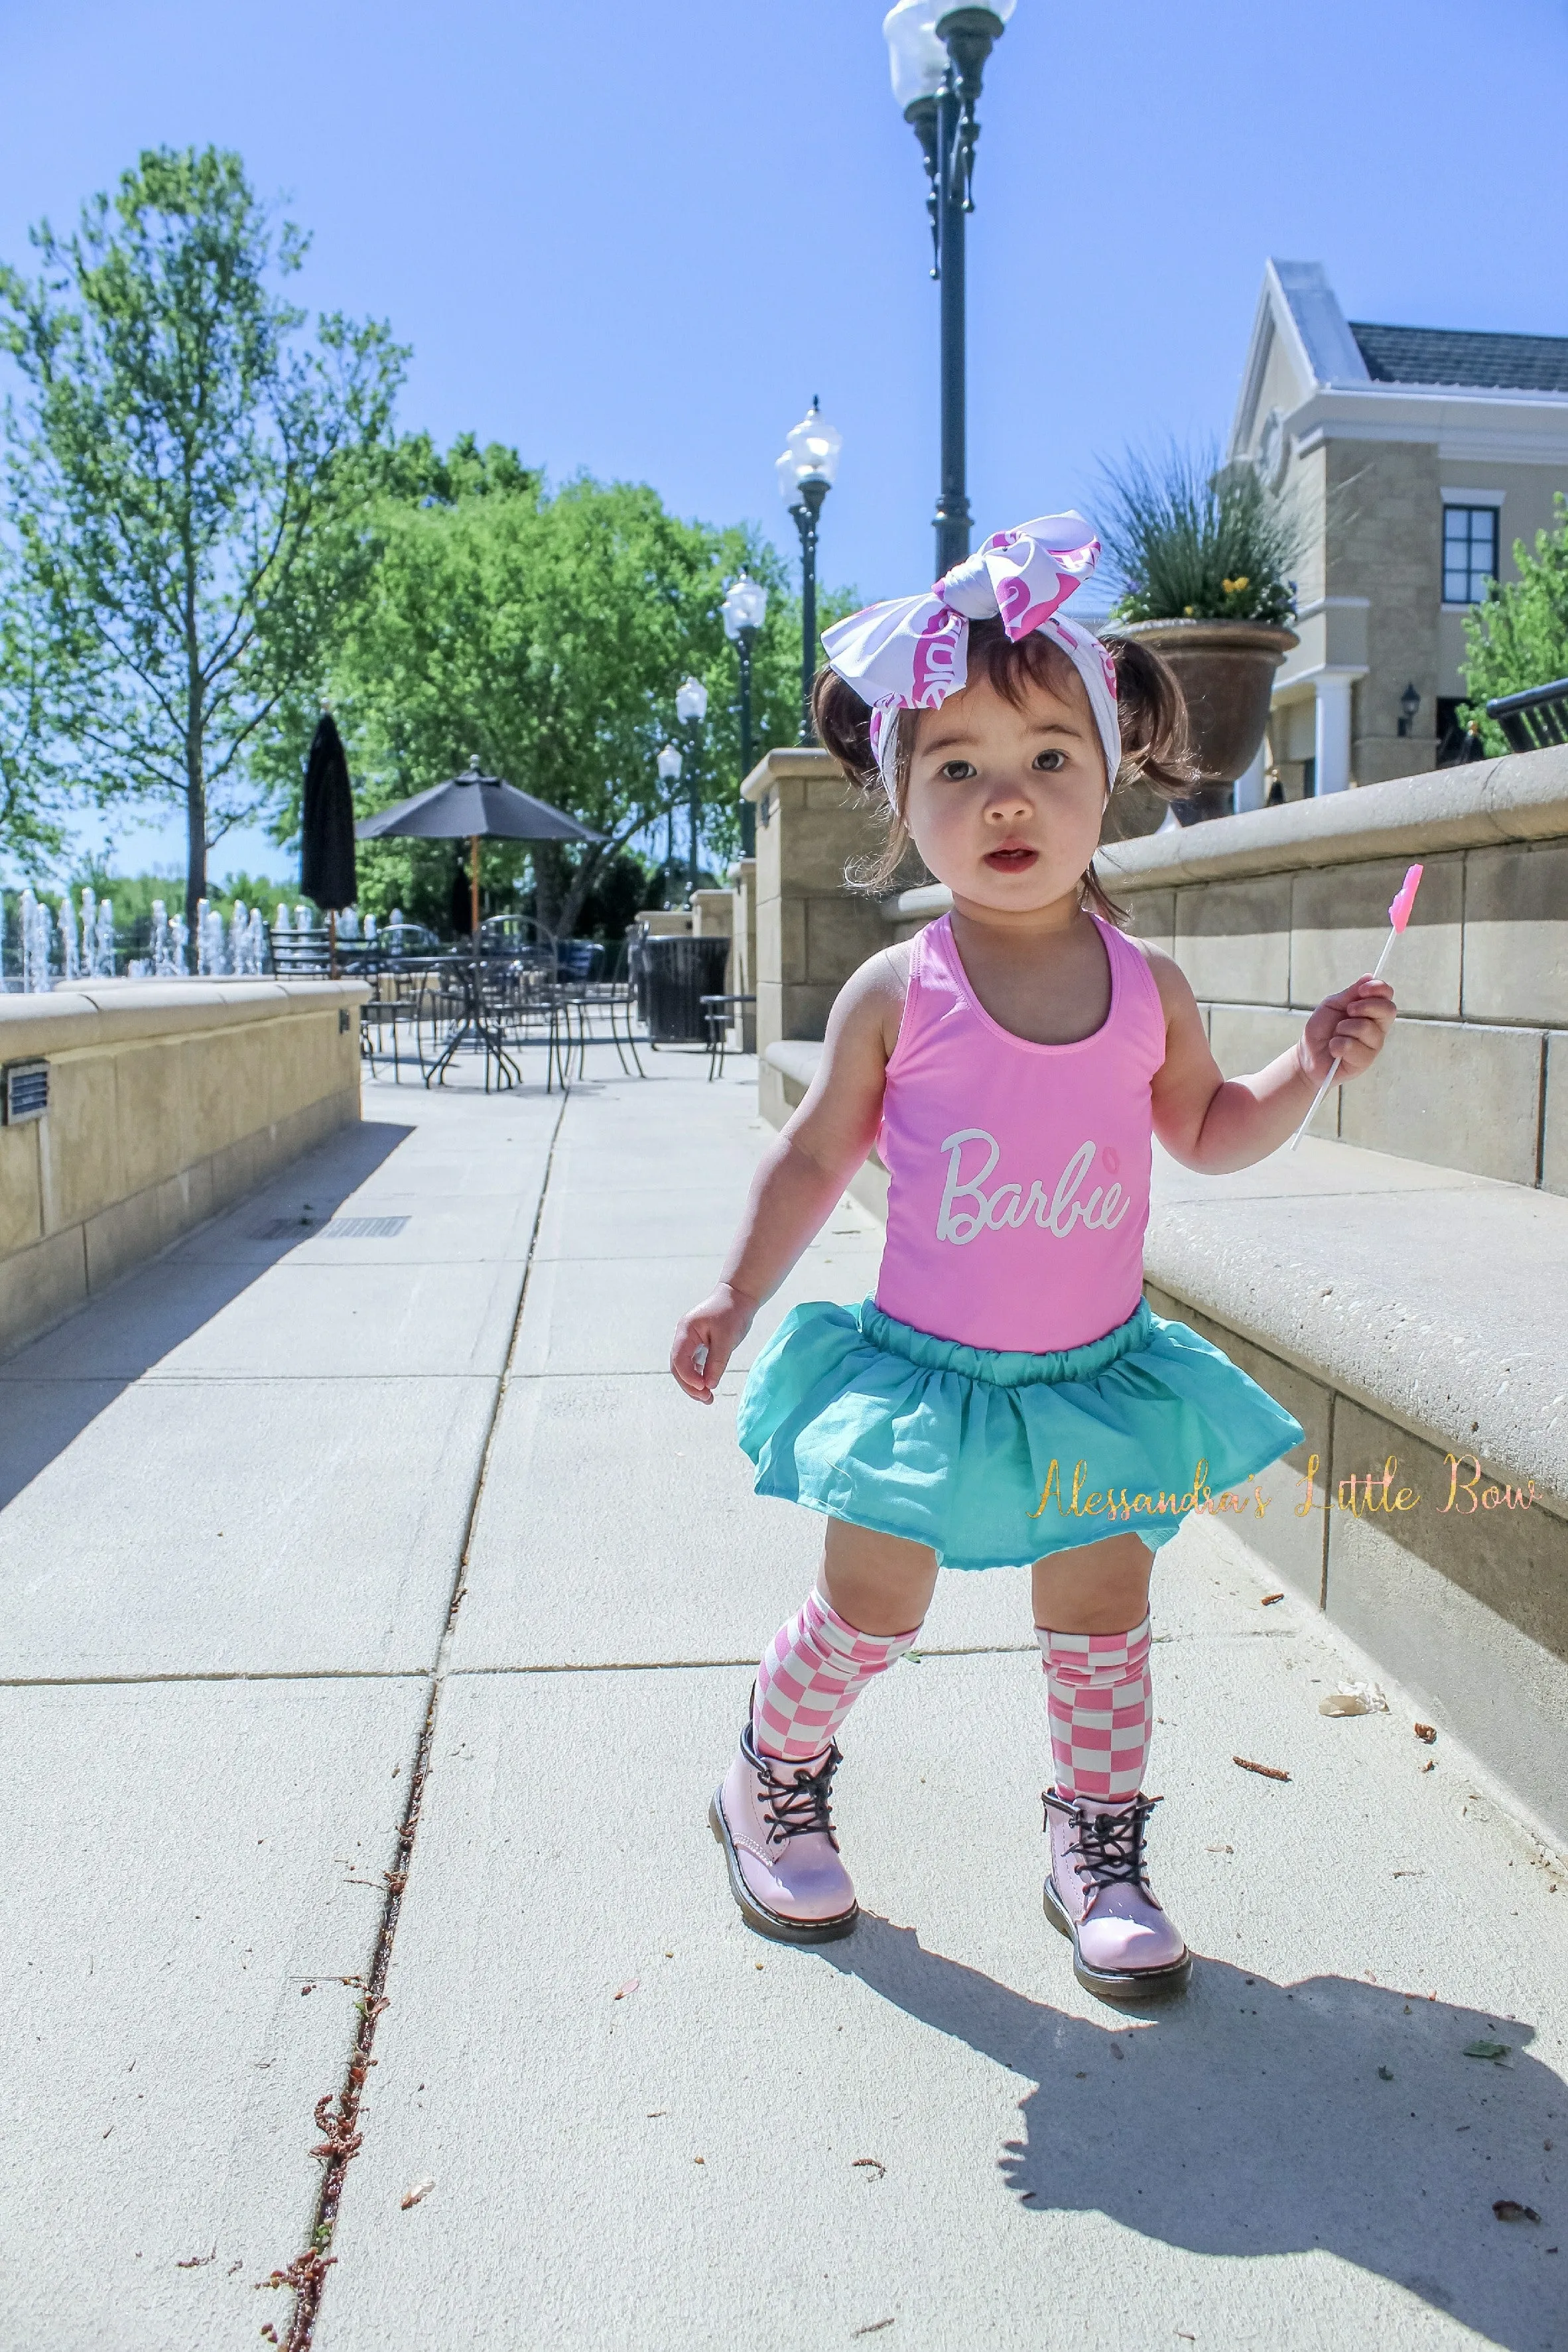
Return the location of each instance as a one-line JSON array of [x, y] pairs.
[[1189, 539], [1517, 637]]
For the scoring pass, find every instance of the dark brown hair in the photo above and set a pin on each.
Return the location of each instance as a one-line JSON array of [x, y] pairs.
[[1152, 714]]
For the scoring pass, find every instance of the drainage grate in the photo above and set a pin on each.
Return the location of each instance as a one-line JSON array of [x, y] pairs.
[[336, 1229]]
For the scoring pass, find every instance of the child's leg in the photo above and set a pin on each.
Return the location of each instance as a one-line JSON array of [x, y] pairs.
[[1092, 1621], [772, 1812], [871, 1593]]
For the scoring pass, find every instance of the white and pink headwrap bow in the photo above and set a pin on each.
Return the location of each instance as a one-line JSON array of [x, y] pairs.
[[911, 652]]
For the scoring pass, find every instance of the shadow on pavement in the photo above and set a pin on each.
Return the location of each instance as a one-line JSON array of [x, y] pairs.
[[1250, 2117], [45, 1413]]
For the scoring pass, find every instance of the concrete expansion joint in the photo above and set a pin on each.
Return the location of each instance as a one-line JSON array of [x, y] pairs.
[[339, 2125]]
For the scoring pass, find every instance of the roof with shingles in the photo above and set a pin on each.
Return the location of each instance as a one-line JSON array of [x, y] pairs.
[[1451, 355]]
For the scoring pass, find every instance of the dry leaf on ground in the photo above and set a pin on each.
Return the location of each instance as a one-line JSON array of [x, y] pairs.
[[420, 2190], [1508, 2208]]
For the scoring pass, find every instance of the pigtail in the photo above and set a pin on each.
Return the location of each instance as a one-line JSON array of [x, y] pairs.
[[842, 723], [1156, 743]]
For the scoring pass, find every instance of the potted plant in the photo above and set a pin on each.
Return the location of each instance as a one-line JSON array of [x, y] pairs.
[[1202, 553]]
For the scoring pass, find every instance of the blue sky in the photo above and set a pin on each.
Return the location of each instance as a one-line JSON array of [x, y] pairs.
[[636, 239]]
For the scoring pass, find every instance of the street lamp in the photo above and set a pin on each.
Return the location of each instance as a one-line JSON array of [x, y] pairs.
[[670, 765], [805, 471], [938, 55], [745, 608], [691, 709]]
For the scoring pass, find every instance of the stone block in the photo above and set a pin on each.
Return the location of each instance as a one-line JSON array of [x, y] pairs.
[[151, 1111], [37, 1286], [1468, 1610], [1453, 1093], [804, 1007], [1516, 934], [841, 933], [1289, 1534], [1233, 940], [21, 1194], [776, 1095], [78, 1140], [1246, 1037], [1554, 1125], [1339, 927], [122, 1235], [770, 1014], [1152, 916]]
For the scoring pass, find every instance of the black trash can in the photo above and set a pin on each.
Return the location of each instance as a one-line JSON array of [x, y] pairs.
[[679, 973]]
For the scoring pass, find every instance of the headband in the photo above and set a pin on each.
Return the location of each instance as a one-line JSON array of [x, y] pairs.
[[911, 652]]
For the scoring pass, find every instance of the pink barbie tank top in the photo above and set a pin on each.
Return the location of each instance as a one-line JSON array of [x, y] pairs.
[[1019, 1189]]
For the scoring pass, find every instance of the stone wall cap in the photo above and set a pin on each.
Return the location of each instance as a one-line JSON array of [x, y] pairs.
[[927, 898], [797, 1057], [786, 760], [1521, 798], [117, 1012]]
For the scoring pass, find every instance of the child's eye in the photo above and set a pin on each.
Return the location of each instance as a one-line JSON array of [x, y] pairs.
[[955, 770], [1050, 760]]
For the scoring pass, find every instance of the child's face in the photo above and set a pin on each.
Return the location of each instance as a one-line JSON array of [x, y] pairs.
[[1005, 803]]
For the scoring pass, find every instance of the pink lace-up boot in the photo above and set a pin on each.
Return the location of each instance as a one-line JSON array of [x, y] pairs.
[[772, 1818], [1097, 1894]]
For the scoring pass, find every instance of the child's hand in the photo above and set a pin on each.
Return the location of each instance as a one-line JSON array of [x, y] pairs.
[[1354, 1024], [706, 1338]]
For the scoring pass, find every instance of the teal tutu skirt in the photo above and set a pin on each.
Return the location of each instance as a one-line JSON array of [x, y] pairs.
[[996, 1459]]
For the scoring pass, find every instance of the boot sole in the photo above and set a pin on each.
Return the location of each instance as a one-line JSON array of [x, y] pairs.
[[769, 1923], [1116, 1984]]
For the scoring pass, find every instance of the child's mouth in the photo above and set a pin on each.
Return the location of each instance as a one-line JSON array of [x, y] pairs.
[[1016, 859]]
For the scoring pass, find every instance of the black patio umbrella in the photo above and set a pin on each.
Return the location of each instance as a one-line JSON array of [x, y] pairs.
[[473, 807], [327, 872]]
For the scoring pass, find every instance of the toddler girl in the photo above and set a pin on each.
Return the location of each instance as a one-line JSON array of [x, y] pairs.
[[1010, 1064]]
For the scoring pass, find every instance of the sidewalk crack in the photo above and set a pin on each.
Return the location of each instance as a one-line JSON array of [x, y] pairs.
[[341, 2138]]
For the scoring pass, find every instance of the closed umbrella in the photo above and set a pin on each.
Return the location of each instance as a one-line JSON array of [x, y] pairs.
[[327, 872]]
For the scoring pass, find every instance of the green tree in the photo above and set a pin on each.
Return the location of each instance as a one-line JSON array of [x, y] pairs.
[[184, 481], [545, 635], [1517, 637], [30, 834]]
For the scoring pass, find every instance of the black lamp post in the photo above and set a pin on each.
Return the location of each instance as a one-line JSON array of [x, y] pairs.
[[670, 765], [745, 608], [939, 55], [691, 709], [806, 472]]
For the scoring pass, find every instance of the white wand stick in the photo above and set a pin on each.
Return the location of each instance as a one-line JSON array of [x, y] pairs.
[[1398, 916]]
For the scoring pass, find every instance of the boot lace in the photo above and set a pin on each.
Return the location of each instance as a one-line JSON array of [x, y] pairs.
[[1108, 1847], [800, 1808]]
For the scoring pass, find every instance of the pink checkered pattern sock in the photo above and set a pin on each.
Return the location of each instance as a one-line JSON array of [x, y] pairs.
[[1100, 1700], [812, 1672]]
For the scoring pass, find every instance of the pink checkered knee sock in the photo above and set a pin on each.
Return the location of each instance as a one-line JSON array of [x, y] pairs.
[[1100, 1700], [812, 1672]]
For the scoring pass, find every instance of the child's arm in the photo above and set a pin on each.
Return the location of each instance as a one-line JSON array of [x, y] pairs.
[[1216, 1124], [801, 1175]]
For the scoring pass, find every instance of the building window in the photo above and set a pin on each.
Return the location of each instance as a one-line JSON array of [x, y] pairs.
[[1469, 552]]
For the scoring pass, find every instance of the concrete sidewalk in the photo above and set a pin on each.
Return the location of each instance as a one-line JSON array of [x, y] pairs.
[[273, 1508]]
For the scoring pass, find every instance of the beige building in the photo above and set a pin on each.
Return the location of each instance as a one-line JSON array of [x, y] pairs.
[[1416, 456]]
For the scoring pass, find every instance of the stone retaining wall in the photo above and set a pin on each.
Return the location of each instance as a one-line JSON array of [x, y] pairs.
[[168, 1099]]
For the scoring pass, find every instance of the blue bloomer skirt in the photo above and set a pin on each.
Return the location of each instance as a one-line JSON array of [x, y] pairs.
[[994, 1459]]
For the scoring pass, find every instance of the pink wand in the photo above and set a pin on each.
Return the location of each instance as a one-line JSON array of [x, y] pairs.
[[1398, 916]]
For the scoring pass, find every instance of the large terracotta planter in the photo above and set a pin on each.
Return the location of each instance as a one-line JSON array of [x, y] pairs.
[[1225, 669]]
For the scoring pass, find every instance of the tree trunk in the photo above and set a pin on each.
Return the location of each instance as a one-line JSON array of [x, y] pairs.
[[196, 768], [196, 838], [582, 883], [549, 879]]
